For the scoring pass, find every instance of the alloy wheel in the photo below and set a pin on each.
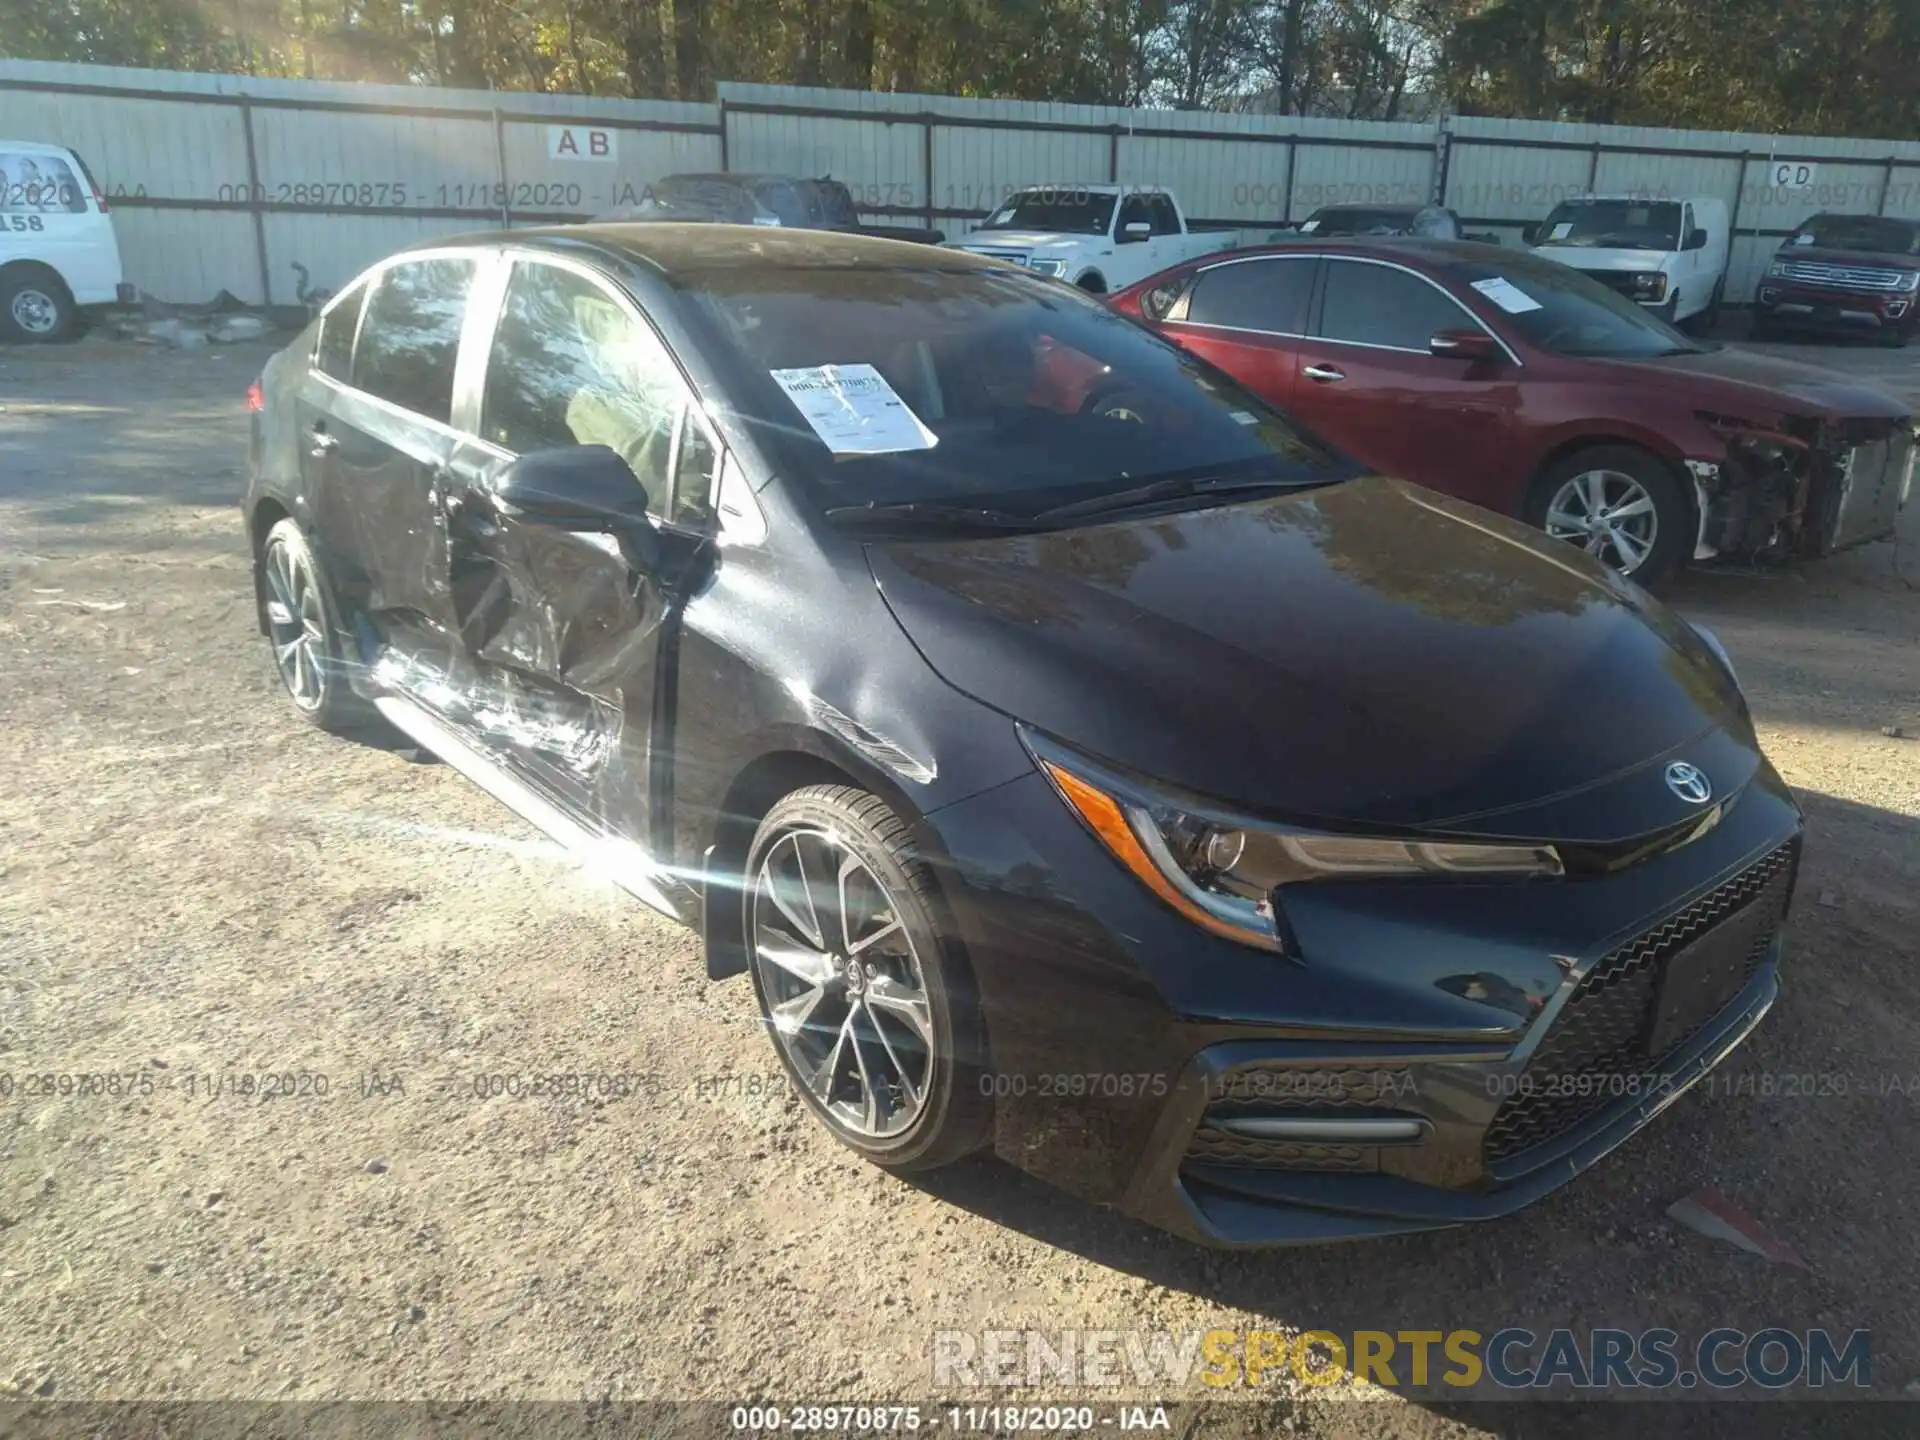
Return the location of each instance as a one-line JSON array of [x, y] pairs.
[[296, 622], [35, 311], [1609, 514], [842, 985]]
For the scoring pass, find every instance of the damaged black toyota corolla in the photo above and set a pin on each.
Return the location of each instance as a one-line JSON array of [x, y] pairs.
[[1082, 761]]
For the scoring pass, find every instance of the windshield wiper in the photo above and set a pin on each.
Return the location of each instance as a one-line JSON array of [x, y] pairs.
[[1160, 490], [921, 514]]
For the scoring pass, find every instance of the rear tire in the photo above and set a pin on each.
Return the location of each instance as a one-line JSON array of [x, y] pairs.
[[1616, 502], [873, 1012], [311, 651], [35, 308]]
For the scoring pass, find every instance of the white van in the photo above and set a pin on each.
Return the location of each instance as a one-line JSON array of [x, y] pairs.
[[58, 254], [1668, 254]]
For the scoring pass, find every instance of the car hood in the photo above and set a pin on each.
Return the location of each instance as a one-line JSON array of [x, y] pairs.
[[1366, 653], [1776, 385], [1021, 240], [1594, 257]]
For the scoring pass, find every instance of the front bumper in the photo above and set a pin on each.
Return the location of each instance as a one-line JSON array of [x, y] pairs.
[[1242, 1205], [1129, 1050], [1797, 304]]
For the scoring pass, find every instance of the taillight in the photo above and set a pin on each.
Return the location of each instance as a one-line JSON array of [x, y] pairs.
[[256, 398], [101, 200]]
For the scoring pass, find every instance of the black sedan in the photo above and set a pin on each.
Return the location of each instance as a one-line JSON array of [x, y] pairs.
[[1082, 760]]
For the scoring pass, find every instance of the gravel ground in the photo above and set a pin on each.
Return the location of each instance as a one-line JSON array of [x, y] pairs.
[[195, 886]]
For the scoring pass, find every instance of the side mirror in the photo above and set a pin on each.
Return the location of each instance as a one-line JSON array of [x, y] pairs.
[[581, 487], [1134, 231], [1464, 345], [1696, 239], [1530, 233]]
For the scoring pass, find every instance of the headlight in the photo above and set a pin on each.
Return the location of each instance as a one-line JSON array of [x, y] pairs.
[[1048, 267], [1650, 286], [1909, 280], [1220, 870], [1778, 267]]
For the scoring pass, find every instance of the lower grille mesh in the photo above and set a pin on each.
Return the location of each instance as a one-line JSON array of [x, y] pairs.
[[1274, 1088], [1596, 1053]]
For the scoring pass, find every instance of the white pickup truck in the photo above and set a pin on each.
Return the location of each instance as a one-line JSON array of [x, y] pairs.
[[1100, 237]]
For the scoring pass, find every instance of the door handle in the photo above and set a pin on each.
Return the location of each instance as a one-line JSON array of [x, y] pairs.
[[1323, 374], [322, 441]]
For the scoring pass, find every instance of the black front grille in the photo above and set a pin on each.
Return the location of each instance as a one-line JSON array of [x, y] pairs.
[[1214, 1146], [1595, 1055], [1274, 1085], [1278, 1088]]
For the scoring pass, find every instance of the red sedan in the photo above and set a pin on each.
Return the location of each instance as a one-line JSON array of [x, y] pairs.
[[1523, 386]]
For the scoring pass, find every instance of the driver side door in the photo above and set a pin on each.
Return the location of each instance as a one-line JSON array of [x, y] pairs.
[[562, 631], [1369, 385]]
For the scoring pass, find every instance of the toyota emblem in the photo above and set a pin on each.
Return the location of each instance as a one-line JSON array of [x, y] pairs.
[[1689, 782]]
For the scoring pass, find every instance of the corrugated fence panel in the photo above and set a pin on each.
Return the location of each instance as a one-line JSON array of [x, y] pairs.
[[1502, 189], [560, 187], [134, 147], [338, 157], [1339, 175], [975, 169], [335, 248], [343, 173], [191, 254]]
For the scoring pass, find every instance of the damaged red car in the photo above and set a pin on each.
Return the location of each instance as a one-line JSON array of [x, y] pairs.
[[1526, 387]]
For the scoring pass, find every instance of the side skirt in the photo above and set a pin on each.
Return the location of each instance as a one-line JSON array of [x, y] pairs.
[[621, 861]]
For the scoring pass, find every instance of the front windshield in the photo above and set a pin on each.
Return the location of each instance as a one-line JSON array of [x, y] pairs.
[[1355, 221], [1066, 212], [1019, 393], [1558, 309], [697, 198], [1860, 232], [1614, 224]]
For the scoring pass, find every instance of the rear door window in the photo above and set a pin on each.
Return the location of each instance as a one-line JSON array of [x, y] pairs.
[[334, 355], [571, 365], [1265, 295], [1378, 305], [410, 334], [39, 184]]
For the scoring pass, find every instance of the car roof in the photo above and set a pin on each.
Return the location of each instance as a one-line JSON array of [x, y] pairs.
[[738, 177], [1642, 198], [1428, 249], [1396, 209], [33, 147], [674, 248]]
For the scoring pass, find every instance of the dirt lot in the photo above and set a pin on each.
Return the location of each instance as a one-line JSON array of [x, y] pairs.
[[194, 886]]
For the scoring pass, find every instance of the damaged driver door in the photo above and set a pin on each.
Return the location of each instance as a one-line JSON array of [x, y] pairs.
[[565, 572]]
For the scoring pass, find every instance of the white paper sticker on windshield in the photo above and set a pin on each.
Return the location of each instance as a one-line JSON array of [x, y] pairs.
[[854, 409], [1508, 296], [1310, 225], [1561, 231], [1803, 239]]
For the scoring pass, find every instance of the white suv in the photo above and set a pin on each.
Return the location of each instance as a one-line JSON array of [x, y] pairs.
[[58, 254]]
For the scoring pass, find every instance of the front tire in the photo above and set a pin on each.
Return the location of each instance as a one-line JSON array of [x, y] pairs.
[[1624, 506], [872, 1010], [303, 624], [35, 308]]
